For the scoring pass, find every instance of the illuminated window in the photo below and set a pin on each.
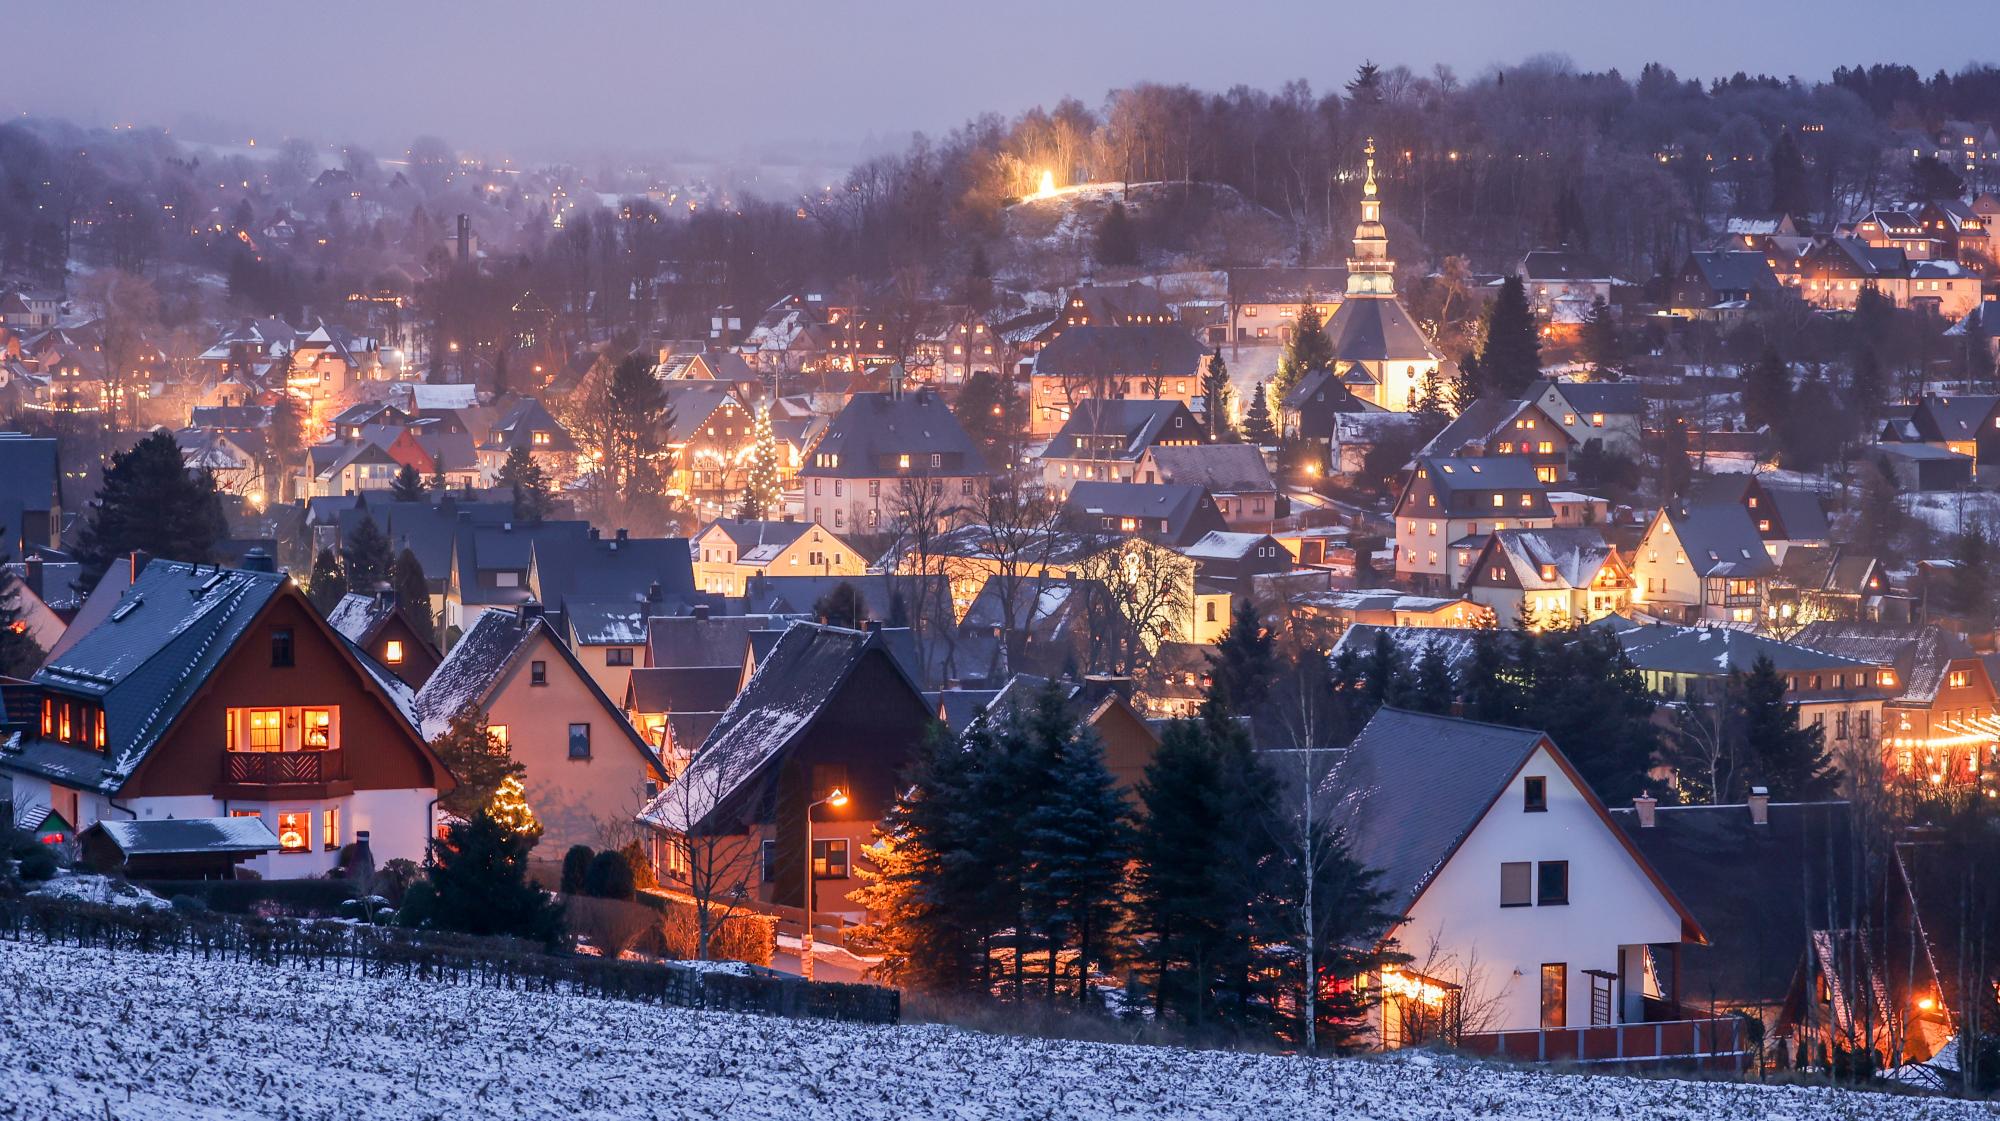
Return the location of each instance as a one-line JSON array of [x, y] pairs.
[[318, 729], [48, 717], [1499, 500], [63, 723], [330, 828], [830, 859], [1960, 679], [903, 461], [267, 729], [498, 732], [294, 832], [392, 652]]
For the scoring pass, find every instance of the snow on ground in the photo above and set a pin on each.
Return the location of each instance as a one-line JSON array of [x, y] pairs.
[[102, 890], [1951, 512], [93, 1036]]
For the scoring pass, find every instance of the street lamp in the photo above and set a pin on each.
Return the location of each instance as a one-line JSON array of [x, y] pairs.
[[836, 799]]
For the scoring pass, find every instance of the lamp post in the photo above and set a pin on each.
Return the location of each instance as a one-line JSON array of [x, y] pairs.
[[837, 798]]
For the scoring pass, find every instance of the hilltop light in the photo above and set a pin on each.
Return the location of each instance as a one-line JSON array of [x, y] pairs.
[[1048, 185]]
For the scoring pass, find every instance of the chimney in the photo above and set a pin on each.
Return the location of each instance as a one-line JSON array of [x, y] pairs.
[[257, 560], [872, 626], [530, 609], [624, 534], [653, 593], [595, 533], [701, 611], [1760, 805], [1644, 805]]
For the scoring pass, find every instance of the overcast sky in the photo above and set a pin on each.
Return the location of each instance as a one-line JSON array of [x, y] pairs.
[[531, 78]]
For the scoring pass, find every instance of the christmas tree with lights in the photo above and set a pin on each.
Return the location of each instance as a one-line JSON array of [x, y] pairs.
[[762, 492]]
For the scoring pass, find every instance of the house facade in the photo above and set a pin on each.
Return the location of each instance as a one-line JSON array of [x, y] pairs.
[[1450, 503]]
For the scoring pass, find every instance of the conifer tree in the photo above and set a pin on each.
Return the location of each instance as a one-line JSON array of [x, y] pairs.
[[841, 606], [510, 809], [1513, 354], [1117, 239], [1429, 405], [522, 475], [1215, 398], [151, 502], [1969, 591], [1465, 382], [1601, 345], [408, 487], [1431, 688], [365, 558], [288, 442], [1789, 191], [1767, 391], [413, 593], [1489, 694], [1244, 660], [1309, 349], [478, 883], [326, 586], [762, 492], [477, 759], [1257, 426], [1781, 754], [1074, 841], [1381, 672]]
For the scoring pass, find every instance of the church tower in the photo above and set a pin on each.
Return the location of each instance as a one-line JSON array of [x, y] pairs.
[[1370, 272], [1380, 355]]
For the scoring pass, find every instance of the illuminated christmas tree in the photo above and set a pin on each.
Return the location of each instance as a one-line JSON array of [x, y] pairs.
[[762, 493], [510, 809]]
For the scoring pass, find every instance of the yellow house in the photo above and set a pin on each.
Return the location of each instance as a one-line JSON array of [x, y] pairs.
[[587, 771], [727, 553]]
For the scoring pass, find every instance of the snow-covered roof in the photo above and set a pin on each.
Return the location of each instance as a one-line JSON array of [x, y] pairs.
[[171, 836]]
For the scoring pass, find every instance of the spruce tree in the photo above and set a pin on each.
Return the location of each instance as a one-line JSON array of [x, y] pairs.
[[1465, 382], [288, 442], [413, 593], [1583, 690], [1257, 426], [1381, 672], [842, 606], [1244, 660], [1601, 345], [1431, 688], [1512, 357], [365, 558], [326, 586], [1969, 590], [1117, 240], [1490, 694], [478, 884], [1767, 391], [522, 475], [1979, 365], [763, 491], [477, 759], [1779, 753], [1789, 191], [1075, 842], [151, 502], [408, 487], [1215, 398], [1308, 350]]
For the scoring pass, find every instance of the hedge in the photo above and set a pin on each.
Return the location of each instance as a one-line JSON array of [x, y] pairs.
[[297, 898], [747, 936]]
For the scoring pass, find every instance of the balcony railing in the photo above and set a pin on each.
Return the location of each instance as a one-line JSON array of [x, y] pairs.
[[1719, 1043], [283, 768]]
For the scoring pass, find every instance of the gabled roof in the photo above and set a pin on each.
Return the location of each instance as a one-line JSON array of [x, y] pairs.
[[1612, 398], [1218, 468], [1719, 651], [692, 641], [1414, 787], [1139, 350], [179, 836], [1130, 423], [1177, 514], [1828, 568], [1287, 284], [1473, 427], [357, 616], [1321, 389], [1571, 557], [757, 541], [1757, 889], [1921, 653], [1375, 330], [876, 428], [1453, 644], [793, 685], [1223, 545], [684, 688], [1720, 539], [1735, 270], [468, 675], [519, 426]]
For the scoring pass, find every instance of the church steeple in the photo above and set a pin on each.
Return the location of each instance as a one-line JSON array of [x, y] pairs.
[[1370, 272]]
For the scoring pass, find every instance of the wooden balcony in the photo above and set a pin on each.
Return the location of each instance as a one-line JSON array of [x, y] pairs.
[[301, 774]]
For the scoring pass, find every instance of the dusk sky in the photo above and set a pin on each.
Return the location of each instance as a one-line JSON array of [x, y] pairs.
[[727, 79]]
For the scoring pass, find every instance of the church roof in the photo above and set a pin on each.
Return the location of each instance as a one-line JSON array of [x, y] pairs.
[[1368, 329]]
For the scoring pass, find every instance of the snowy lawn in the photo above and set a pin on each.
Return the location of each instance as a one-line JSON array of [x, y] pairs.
[[91, 1036]]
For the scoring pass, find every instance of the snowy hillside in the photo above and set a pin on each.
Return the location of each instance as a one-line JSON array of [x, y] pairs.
[[90, 1036]]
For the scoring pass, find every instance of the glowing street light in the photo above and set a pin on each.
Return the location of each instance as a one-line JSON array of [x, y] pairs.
[[837, 798]]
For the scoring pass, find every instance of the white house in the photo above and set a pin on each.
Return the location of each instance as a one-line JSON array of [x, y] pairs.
[[1519, 901]]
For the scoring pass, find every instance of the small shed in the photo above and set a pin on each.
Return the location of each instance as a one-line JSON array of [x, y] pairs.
[[1924, 466], [191, 848]]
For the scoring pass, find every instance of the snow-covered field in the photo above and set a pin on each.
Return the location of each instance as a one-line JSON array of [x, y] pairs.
[[92, 1036]]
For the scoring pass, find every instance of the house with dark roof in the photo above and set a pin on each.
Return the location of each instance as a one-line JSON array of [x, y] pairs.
[[192, 691], [373, 623], [1153, 362], [1562, 284], [1452, 499], [1703, 563], [587, 770], [1549, 577], [1104, 440], [828, 709], [712, 434], [885, 454], [1607, 414], [1785, 516], [1966, 424], [1235, 475], [1834, 582], [694, 666], [728, 552], [1312, 408], [1265, 302], [1767, 880], [1094, 706], [528, 425], [1723, 283], [1172, 515], [1499, 427], [1941, 715], [1509, 883]]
